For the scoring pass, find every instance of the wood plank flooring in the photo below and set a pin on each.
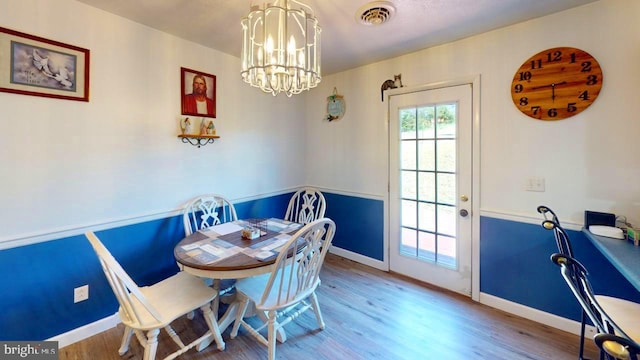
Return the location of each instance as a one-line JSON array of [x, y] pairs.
[[371, 314]]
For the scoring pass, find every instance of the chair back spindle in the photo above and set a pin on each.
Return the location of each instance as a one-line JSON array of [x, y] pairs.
[[297, 267], [205, 211], [305, 206]]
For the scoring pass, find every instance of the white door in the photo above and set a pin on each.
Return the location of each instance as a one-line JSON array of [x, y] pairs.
[[430, 178]]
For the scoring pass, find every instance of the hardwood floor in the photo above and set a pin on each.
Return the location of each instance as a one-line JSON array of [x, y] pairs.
[[371, 314]]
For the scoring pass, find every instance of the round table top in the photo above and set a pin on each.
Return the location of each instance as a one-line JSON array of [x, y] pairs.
[[221, 252]]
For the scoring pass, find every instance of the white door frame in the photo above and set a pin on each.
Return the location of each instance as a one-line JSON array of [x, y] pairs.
[[474, 80]]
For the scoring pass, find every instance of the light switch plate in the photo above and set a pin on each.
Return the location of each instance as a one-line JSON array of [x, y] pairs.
[[535, 183]]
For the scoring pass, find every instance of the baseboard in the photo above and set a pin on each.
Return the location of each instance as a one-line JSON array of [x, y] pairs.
[[538, 316], [86, 331], [380, 265]]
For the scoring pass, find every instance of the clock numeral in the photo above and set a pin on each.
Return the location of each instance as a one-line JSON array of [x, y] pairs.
[[535, 109], [586, 66], [536, 64], [518, 88], [584, 96], [592, 79], [573, 58], [554, 56], [524, 101], [552, 112], [571, 107], [525, 75]]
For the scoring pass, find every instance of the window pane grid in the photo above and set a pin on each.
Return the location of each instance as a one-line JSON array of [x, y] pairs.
[[428, 186]]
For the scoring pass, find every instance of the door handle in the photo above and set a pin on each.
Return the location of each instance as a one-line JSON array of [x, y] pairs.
[[464, 212]]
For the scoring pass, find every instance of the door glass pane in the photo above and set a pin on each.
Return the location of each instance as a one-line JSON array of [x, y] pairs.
[[408, 213], [426, 155], [426, 186], [446, 220], [408, 123], [428, 183], [426, 246], [446, 150], [447, 251], [446, 188], [427, 216], [408, 242], [446, 121], [408, 183], [425, 122], [408, 154]]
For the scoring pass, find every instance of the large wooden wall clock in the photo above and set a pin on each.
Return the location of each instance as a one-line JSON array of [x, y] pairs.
[[557, 83]]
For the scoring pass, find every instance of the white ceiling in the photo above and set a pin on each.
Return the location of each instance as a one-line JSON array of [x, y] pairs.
[[416, 24]]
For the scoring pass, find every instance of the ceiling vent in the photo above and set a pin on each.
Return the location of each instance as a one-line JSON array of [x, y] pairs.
[[375, 13]]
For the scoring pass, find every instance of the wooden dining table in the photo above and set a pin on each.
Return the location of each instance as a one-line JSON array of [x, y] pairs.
[[220, 252]]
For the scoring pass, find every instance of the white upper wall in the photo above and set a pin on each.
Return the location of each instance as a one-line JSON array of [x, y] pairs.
[[589, 161], [68, 164]]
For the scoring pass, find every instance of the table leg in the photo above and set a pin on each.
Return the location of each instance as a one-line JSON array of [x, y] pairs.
[[224, 322]]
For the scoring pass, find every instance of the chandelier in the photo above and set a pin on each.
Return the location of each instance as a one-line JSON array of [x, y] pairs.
[[281, 48]]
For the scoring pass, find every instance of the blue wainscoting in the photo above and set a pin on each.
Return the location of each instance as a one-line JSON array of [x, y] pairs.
[[359, 224], [38, 280], [515, 265]]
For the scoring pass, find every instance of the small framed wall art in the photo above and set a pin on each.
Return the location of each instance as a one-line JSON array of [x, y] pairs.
[[198, 93], [32, 65], [335, 106]]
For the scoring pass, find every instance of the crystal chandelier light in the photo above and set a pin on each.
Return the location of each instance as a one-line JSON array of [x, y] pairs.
[[281, 48]]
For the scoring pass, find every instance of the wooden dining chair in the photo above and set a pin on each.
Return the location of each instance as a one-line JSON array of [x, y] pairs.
[[617, 348], [145, 310], [305, 206], [610, 315], [289, 290], [202, 212]]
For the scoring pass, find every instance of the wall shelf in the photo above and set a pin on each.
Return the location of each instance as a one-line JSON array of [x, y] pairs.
[[198, 140]]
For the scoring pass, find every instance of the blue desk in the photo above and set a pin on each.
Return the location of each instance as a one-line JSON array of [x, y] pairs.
[[621, 253]]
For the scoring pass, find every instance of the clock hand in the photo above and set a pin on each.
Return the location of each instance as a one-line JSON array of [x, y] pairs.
[[542, 86], [553, 89], [548, 85]]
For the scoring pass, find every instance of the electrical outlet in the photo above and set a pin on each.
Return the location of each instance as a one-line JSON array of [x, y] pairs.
[[80, 293], [534, 183]]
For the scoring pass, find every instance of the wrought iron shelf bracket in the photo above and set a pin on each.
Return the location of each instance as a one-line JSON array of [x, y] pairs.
[[198, 140]]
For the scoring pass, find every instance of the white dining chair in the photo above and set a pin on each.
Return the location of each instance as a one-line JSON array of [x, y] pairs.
[[202, 212], [305, 206], [145, 310], [289, 290], [207, 210]]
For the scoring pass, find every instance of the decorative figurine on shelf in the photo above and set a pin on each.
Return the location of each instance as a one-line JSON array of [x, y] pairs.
[[203, 127], [391, 84], [185, 126], [211, 129]]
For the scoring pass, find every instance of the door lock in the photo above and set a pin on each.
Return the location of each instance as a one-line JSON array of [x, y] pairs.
[[464, 212]]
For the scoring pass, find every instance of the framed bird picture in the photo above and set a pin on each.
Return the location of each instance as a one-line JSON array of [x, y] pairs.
[[31, 65]]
